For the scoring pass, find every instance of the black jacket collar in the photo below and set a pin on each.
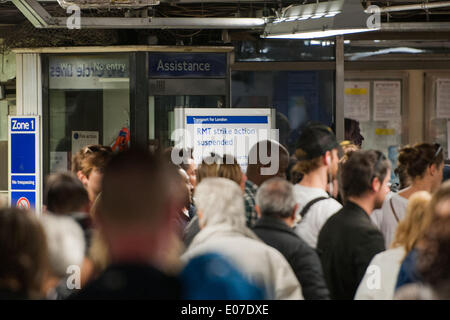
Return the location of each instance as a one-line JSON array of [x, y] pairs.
[[351, 207], [273, 223]]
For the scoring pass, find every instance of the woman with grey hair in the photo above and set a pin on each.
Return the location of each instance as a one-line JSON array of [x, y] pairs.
[[221, 212]]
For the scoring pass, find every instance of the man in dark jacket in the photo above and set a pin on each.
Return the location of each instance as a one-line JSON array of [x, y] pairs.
[[276, 205], [348, 241]]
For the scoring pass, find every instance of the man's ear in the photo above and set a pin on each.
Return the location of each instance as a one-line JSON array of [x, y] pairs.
[[376, 184], [258, 210]]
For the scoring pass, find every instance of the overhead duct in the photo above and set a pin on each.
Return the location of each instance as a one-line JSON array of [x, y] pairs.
[[40, 18], [106, 4]]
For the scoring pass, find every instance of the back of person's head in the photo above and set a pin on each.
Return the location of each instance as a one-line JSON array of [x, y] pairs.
[[313, 143], [404, 179], [434, 257], [90, 157], [209, 167], [352, 131], [220, 201], [64, 194], [275, 198], [65, 243], [23, 252], [135, 189], [267, 159], [416, 159], [230, 169], [417, 219], [359, 171]]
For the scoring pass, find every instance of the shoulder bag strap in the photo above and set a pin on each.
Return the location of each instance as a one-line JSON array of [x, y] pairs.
[[309, 205], [393, 211]]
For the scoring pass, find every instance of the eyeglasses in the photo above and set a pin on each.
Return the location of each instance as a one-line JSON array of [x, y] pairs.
[[439, 149], [95, 148]]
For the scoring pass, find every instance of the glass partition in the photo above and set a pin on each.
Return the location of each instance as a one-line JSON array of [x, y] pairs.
[[89, 103], [297, 96]]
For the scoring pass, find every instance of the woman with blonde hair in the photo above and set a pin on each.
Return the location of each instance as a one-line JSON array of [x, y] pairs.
[[381, 276]]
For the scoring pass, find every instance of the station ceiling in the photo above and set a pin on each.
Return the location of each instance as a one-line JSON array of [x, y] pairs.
[[426, 14]]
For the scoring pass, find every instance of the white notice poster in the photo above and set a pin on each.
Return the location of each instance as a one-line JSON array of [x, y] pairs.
[[387, 100], [81, 139], [356, 100], [58, 161], [443, 99]]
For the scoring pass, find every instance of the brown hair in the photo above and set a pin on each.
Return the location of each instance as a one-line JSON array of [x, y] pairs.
[[64, 193], [208, 168], [358, 172], [23, 252], [305, 166], [135, 188], [416, 221], [230, 169], [418, 158], [90, 157]]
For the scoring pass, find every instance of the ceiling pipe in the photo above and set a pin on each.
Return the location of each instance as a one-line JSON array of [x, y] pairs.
[[421, 6]]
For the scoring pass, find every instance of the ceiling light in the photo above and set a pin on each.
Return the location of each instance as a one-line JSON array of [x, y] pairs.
[[334, 18]]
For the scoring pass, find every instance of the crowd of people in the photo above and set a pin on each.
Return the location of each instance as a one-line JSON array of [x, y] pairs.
[[327, 224]]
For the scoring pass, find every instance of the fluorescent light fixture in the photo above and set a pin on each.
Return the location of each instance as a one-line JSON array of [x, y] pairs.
[[315, 34], [335, 18], [317, 16]]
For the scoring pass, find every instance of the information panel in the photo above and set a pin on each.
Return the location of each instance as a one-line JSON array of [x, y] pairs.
[[24, 165], [223, 131]]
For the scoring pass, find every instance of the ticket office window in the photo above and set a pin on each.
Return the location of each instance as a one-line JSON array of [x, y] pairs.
[[375, 110], [88, 103], [183, 80], [162, 118]]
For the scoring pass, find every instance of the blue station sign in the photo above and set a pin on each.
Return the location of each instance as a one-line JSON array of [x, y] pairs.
[[188, 65], [24, 189]]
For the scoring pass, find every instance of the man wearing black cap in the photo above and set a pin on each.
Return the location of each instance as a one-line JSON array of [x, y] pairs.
[[317, 152]]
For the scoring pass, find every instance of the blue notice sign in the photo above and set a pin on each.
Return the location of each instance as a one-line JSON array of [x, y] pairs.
[[23, 151], [225, 119], [23, 182], [189, 65], [23, 164]]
